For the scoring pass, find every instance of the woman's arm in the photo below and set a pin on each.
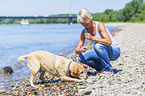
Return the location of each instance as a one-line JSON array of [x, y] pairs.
[[106, 40], [80, 48]]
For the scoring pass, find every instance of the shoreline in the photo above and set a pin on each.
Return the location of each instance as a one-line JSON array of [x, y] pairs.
[[70, 55], [129, 81], [126, 82], [19, 67]]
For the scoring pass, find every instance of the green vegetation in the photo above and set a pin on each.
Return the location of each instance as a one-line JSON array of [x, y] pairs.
[[41, 20], [133, 11]]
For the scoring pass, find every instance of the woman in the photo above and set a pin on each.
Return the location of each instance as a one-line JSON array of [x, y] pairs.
[[105, 47]]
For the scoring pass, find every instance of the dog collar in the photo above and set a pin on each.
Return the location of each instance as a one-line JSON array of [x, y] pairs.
[[69, 69]]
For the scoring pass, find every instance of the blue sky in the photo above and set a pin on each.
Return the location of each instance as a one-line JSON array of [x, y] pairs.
[[50, 7]]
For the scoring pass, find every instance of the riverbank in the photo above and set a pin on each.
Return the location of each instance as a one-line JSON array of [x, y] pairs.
[[129, 81]]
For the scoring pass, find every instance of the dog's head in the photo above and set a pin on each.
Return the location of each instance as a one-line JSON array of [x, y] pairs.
[[78, 71]]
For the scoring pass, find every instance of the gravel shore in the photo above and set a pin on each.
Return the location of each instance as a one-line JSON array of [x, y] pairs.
[[129, 81]]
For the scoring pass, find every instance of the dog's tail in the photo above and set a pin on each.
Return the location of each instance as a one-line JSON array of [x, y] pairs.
[[22, 58]]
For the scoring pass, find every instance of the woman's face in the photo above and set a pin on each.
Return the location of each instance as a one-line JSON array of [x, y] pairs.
[[86, 24]]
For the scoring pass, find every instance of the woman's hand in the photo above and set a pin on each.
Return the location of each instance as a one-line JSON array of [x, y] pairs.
[[80, 50], [83, 49], [88, 36]]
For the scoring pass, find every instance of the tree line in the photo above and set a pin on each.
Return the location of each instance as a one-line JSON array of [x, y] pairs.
[[133, 11], [40, 20]]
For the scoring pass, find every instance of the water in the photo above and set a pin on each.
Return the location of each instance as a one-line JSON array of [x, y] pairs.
[[17, 40]]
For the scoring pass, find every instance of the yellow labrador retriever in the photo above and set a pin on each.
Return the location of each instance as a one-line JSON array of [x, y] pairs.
[[41, 61]]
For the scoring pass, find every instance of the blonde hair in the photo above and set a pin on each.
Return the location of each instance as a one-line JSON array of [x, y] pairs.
[[84, 16]]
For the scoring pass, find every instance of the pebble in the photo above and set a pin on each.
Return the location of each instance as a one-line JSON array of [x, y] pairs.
[[84, 91], [81, 87], [3, 91], [129, 81]]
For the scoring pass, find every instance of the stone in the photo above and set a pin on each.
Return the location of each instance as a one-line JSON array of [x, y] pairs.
[[85, 91]]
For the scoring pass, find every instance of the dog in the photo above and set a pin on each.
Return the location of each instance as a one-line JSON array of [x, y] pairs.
[[41, 61]]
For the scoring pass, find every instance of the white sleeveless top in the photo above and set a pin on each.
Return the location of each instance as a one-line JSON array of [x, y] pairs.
[[98, 35]]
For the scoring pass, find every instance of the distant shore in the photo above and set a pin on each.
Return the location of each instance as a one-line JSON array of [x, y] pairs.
[[129, 81]]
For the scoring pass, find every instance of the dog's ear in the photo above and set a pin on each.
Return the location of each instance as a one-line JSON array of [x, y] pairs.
[[76, 70]]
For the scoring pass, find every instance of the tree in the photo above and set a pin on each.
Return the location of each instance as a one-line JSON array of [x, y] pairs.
[[97, 16], [112, 16], [130, 9], [105, 18], [140, 2], [143, 8], [107, 11], [8, 21], [136, 18], [120, 16]]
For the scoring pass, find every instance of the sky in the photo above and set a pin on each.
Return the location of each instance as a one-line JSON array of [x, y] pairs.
[[53, 7]]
